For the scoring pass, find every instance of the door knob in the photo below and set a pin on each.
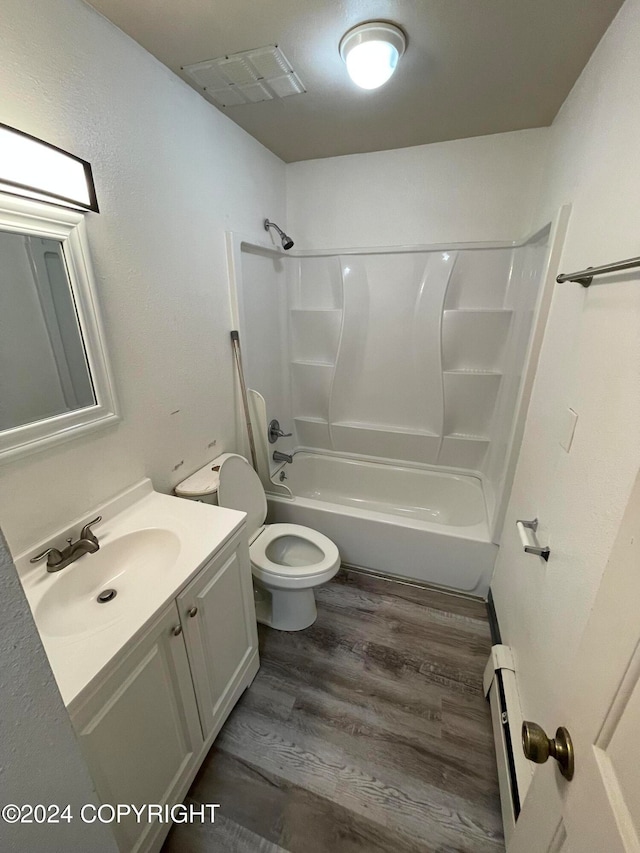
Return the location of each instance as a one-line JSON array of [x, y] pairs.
[[538, 747]]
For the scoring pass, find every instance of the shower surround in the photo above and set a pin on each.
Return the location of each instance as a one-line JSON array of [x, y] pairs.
[[406, 361]]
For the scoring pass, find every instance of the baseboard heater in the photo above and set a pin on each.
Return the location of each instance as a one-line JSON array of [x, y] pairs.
[[514, 771]]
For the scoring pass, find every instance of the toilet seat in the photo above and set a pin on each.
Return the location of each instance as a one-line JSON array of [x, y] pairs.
[[292, 556], [288, 560]]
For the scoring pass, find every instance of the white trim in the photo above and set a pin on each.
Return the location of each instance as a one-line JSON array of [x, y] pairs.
[[501, 658], [410, 248], [235, 241], [557, 229], [23, 216]]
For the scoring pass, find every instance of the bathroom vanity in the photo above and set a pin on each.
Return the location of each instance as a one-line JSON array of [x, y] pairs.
[[150, 675]]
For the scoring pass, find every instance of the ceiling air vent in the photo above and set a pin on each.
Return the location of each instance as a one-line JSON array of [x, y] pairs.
[[255, 75]]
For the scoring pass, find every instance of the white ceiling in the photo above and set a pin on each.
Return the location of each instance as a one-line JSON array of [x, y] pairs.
[[472, 67]]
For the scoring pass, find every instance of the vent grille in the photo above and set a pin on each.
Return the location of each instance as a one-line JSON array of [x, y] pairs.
[[248, 77]]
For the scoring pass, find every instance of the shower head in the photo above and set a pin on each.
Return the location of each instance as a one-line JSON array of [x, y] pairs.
[[287, 242]]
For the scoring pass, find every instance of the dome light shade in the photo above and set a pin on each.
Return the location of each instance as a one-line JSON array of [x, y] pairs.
[[371, 52]]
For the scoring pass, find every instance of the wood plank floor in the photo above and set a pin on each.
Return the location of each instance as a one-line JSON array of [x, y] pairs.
[[366, 732]]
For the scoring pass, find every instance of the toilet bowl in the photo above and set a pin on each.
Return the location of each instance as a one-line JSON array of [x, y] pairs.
[[287, 560]]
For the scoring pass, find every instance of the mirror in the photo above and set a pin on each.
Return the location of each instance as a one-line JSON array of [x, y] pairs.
[[44, 364], [54, 376]]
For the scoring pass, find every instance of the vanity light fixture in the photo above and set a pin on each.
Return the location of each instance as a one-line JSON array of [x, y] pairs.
[[36, 170], [371, 52]]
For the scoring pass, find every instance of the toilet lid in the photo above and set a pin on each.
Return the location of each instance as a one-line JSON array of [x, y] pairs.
[[240, 488]]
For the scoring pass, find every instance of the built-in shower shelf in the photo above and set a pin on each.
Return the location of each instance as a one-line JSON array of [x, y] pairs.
[[474, 340], [316, 310], [366, 426], [392, 442], [478, 311], [463, 451], [315, 334], [464, 437], [312, 432], [384, 428], [470, 371], [311, 384], [469, 401], [479, 279]]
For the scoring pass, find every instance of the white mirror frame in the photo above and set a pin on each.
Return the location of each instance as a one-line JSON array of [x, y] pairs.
[[22, 216]]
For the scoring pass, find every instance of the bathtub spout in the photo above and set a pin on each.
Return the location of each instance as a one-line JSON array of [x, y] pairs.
[[281, 457]]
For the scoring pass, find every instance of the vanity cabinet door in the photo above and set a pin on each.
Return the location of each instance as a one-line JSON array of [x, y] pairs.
[[219, 621], [139, 730]]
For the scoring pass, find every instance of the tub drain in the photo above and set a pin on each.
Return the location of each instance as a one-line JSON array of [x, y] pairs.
[[106, 595]]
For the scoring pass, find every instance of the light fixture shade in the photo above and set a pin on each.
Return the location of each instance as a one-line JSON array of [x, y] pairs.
[[37, 170], [371, 52]]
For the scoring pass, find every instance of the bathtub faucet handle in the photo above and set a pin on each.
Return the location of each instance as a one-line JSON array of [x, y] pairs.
[[275, 432]]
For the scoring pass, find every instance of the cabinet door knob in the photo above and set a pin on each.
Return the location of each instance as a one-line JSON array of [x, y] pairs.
[[193, 611], [176, 630]]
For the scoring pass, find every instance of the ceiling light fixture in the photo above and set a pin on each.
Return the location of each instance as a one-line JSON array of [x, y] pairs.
[[371, 52]]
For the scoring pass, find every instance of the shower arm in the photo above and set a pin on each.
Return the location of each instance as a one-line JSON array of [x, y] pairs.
[[268, 224], [287, 242]]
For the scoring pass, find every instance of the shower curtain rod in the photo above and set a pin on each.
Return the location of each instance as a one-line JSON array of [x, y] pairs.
[[585, 277]]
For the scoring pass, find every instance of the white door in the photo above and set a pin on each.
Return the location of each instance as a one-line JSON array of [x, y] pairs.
[[599, 810], [218, 615]]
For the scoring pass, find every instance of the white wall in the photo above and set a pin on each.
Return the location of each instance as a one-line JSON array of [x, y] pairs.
[[466, 190], [172, 174], [40, 760], [590, 361]]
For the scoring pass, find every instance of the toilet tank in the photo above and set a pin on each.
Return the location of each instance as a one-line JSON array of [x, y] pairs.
[[203, 484]]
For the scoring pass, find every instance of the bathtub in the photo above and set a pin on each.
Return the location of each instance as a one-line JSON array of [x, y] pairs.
[[413, 523]]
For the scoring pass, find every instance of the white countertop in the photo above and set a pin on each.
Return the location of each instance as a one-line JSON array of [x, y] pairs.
[[201, 529]]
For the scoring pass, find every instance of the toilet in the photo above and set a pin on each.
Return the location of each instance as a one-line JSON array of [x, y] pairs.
[[287, 560]]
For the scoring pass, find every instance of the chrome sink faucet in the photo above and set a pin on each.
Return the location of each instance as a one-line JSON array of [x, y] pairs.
[[59, 559]]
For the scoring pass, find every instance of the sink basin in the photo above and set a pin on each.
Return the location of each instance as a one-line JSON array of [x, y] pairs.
[[128, 565]]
